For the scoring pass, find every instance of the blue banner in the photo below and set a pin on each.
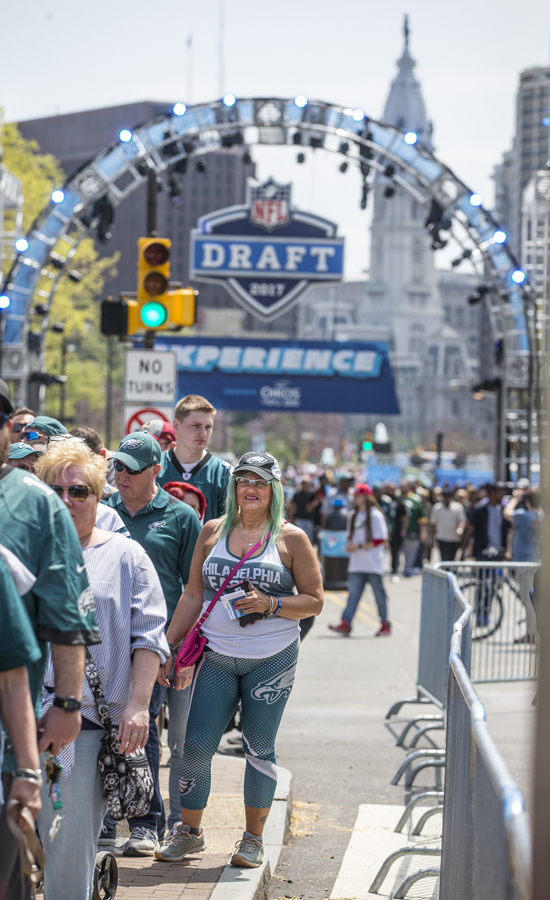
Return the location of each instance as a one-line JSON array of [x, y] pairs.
[[226, 256], [308, 376]]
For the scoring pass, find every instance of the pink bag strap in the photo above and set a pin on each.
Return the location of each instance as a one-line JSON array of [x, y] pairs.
[[219, 592]]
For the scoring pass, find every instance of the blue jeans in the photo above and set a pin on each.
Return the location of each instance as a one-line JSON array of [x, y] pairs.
[[357, 582], [70, 857], [178, 707]]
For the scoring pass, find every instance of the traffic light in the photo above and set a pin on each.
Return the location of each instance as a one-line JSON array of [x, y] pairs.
[[153, 278], [119, 317], [161, 309], [367, 441]]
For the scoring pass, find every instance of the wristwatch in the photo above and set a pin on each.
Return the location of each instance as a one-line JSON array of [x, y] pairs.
[[69, 704]]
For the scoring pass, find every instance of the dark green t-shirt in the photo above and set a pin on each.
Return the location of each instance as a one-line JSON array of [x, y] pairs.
[[37, 527], [212, 479], [415, 513], [18, 644], [167, 529]]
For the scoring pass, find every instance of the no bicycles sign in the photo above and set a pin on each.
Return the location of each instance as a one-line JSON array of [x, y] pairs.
[[133, 417]]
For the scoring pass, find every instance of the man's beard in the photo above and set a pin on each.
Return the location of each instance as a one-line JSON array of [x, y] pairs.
[[4, 445]]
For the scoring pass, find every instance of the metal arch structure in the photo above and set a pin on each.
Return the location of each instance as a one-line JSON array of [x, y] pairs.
[[181, 133]]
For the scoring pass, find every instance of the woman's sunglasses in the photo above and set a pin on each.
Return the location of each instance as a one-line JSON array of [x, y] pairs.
[[257, 482], [122, 467], [75, 491]]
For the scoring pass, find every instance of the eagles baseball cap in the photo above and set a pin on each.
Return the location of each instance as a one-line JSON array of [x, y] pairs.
[[5, 397], [138, 450], [261, 463], [21, 450], [159, 429], [47, 425]]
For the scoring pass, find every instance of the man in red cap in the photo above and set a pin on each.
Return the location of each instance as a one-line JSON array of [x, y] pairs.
[[162, 431]]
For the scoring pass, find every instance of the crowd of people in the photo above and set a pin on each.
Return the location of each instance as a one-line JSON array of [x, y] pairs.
[[109, 563], [108, 560]]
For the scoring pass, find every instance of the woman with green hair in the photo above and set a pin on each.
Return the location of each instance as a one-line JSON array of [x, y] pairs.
[[253, 665]]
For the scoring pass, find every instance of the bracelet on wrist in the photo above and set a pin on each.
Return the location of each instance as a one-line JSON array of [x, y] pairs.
[[34, 776], [279, 604]]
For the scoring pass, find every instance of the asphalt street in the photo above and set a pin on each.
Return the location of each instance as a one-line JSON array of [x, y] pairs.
[[334, 737]]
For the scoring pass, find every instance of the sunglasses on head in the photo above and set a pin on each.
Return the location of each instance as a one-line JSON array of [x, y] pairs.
[[4, 419], [122, 467], [57, 438], [75, 491]]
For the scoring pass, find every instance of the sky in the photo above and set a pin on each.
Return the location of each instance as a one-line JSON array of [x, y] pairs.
[[63, 58]]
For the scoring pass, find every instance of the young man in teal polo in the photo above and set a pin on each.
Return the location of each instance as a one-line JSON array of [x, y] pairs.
[[191, 460], [168, 530]]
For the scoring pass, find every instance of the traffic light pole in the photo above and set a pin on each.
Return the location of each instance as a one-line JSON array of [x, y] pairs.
[[149, 339]]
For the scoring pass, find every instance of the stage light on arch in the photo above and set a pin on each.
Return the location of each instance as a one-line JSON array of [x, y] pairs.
[[21, 245], [125, 135], [499, 237], [58, 197], [179, 109], [229, 100], [300, 101], [4, 301], [476, 199], [358, 115], [518, 276], [410, 137]]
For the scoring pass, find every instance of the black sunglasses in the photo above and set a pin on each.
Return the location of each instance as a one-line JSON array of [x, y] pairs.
[[17, 427], [75, 491], [122, 467]]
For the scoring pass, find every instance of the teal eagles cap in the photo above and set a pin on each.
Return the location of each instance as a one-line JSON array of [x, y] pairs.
[[21, 450], [138, 450], [46, 424]]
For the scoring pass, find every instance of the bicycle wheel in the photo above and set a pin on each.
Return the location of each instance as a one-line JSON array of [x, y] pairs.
[[486, 602]]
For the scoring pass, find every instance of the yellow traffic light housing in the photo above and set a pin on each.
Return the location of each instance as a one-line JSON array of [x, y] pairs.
[[181, 308], [153, 278]]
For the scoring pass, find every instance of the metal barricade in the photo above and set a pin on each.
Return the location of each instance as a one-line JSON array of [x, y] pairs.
[[504, 629], [440, 610], [486, 847]]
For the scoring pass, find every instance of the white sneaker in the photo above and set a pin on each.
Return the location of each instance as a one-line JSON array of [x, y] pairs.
[[395, 579], [142, 842]]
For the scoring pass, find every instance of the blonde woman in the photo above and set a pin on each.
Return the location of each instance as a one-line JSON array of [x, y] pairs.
[[254, 665], [131, 613]]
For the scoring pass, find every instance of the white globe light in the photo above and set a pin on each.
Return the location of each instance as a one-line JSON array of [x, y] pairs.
[[499, 237], [179, 109], [125, 135], [358, 115], [58, 197], [229, 100], [476, 199], [300, 101], [518, 276], [410, 137], [4, 301], [21, 245]]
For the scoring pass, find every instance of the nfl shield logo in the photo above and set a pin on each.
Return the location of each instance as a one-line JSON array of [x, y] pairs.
[[270, 205]]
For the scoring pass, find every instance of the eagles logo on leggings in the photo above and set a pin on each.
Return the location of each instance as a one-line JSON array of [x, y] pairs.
[[276, 687]]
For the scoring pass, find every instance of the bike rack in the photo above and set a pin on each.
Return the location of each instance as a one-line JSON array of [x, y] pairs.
[[393, 710], [427, 718], [422, 731], [433, 811], [402, 890], [435, 795], [393, 857], [417, 754], [436, 764]]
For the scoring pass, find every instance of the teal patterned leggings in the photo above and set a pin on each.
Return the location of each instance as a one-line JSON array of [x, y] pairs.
[[263, 687]]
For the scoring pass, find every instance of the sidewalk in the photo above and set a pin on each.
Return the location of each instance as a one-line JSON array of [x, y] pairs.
[[197, 876]]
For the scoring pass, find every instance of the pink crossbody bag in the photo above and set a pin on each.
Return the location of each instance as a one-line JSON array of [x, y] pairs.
[[195, 642]]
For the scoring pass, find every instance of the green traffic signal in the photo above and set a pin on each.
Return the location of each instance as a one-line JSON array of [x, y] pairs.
[[153, 314], [367, 445]]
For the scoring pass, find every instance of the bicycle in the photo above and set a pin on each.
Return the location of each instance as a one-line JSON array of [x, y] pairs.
[[485, 593]]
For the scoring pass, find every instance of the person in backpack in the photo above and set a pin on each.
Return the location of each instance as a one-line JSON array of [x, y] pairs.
[[367, 536]]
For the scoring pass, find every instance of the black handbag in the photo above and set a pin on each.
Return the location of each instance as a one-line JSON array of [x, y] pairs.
[[127, 780]]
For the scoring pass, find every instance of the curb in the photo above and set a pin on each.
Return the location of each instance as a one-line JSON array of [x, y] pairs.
[[253, 884]]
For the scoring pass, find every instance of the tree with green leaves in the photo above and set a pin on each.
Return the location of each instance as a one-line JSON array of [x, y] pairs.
[[80, 349]]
